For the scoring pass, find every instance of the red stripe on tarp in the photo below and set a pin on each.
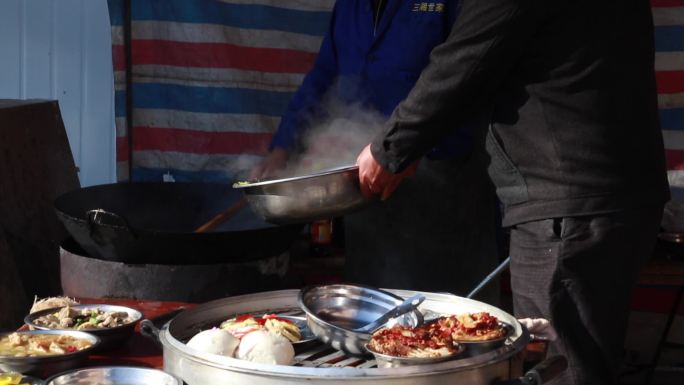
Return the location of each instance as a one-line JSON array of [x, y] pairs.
[[655, 299], [670, 82], [667, 3], [218, 55], [118, 57], [121, 148], [675, 159], [200, 142]]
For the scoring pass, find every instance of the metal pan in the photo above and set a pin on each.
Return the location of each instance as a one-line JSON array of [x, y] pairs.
[[158, 223], [325, 194]]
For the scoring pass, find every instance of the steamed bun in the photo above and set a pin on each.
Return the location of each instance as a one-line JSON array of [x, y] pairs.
[[214, 341], [266, 348]]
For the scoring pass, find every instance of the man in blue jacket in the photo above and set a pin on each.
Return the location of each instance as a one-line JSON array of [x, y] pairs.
[[436, 233]]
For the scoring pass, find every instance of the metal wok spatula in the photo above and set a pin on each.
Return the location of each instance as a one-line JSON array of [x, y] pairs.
[[408, 305]]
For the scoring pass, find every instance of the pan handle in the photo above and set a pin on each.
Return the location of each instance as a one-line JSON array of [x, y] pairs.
[[103, 224], [150, 330], [541, 373]]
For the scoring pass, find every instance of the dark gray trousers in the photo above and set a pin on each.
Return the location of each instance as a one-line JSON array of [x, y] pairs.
[[578, 272]]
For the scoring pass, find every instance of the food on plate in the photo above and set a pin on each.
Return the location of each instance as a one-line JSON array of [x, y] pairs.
[[476, 327], [34, 345], [419, 342], [51, 302], [438, 338], [11, 378], [83, 319], [243, 324], [265, 347], [215, 341]]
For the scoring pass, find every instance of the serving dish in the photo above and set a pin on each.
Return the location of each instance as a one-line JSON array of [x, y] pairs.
[[325, 194], [388, 361], [334, 311], [114, 375], [110, 337], [44, 366], [473, 348]]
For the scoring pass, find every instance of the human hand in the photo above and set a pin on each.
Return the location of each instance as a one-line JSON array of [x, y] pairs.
[[274, 161], [540, 328], [374, 179]]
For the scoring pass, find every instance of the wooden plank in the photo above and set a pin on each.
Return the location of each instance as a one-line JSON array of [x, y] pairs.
[[36, 166]]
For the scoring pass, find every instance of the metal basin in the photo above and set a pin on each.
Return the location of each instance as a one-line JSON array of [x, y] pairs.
[[115, 375], [323, 365], [44, 366], [306, 198], [334, 311]]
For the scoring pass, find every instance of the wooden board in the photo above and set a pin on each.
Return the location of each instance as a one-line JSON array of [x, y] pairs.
[[36, 166]]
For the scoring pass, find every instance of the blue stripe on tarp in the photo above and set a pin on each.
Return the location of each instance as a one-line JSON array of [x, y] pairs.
[[142, 174], [116, 12], [209, 99], [251, 16], [669, 38], [671, 118], [119, 103]]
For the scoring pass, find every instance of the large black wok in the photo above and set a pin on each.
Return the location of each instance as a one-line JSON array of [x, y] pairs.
[[157, 221]]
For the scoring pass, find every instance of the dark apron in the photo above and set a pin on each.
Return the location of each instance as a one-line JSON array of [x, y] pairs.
[[436, 233]]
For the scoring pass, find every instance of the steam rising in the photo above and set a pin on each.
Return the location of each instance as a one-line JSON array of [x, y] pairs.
[[336, 140], [332, 139]]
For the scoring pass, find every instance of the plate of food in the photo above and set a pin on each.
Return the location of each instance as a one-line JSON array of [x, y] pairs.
[[14, 378], [111, 323], [264, 338], [443, 338], [43, 352]]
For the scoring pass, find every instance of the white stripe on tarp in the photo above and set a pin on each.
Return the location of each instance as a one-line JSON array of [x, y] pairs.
[[117, 35], [671, 100], [668, 16], [206, 122], [216, 77], [239, 165], [674, 140], [216, 33], [301, 5], [120, 123], [675, 177], [122, 171], [669, 61]]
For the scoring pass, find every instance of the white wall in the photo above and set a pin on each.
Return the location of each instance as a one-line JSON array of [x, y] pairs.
[[61, 49]]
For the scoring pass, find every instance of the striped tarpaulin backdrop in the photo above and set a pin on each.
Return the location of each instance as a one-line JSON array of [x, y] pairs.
[[211, 79], [668, 16]]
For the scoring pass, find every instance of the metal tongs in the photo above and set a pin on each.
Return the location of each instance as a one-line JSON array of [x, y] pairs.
[[409, 304]]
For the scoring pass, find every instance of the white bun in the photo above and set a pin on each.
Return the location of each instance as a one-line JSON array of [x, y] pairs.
[[266, 348], [214, 341]]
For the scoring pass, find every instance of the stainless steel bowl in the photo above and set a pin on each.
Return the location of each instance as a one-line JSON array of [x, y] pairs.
[[474, 348], [334, 311], [114, 375], [44, 366], [110, 337], [306, 198], [387, 361]]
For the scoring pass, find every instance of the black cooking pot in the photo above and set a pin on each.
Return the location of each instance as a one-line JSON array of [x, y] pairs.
[[154, 223]]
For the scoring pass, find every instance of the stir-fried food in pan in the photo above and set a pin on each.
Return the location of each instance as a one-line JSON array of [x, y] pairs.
[[438, 338], [33, 345], [83, 319]]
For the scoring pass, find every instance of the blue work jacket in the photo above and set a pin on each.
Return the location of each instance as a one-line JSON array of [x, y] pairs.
[[374, 63]]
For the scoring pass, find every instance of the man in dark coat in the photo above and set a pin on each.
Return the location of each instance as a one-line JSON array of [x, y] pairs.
[[575, 149]]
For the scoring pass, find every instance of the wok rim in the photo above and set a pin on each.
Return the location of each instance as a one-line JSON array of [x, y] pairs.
[[326, 172]]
